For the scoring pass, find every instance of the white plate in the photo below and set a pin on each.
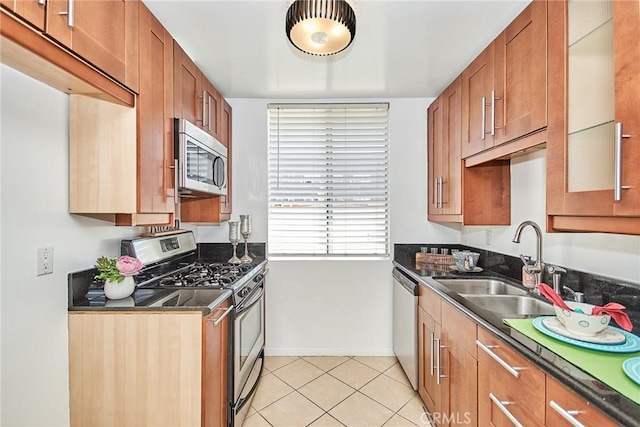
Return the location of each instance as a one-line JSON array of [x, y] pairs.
[[475, 269], [606, 336]]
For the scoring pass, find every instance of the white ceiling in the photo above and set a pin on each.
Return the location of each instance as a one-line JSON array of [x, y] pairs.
[[402, 48]]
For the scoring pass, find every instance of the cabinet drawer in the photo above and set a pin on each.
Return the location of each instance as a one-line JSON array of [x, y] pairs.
[[459, 327], [563, 404], [430, 301], [510, 378]]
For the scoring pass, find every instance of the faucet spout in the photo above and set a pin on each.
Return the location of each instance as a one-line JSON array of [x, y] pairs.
[[536, 228]]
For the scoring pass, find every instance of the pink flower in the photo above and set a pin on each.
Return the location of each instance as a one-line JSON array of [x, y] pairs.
[[128, 266]]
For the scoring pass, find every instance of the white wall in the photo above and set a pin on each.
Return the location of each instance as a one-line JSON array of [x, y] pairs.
[[611, 255], [34, 206], [332, 307]]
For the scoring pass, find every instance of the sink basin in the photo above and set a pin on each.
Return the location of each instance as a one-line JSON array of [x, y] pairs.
[[510, 305], [481, 286]]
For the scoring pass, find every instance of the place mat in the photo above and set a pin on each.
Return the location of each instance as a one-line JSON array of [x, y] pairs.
[[606, 367]]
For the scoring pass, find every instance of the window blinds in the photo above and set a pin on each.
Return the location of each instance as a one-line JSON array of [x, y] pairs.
[[328, 180]]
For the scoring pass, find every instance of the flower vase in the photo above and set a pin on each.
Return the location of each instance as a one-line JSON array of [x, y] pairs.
[[119, 290]]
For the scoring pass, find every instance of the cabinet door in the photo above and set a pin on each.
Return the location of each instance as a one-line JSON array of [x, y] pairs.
[[564, 405], [460, 401], [428, 384], [227, 140], [155, 117], [434, 153], [187, 86], [601, 57], [215, 369], [32, 11], [212, 109], [521, 76], [450, 155], [477, 85], [104, 32]]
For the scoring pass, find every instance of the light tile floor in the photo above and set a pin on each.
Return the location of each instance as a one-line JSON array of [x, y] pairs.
[[329, 391]]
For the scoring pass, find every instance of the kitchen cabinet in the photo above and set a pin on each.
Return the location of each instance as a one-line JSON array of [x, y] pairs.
[[593, 182], [510, 389], [459, 193], [32, 11], [565, 408], [102, 32], [214, 210], [447, 367], [196, 99], [25, 49], [155, 168], [153, 368], [504, 94], [133, 183]]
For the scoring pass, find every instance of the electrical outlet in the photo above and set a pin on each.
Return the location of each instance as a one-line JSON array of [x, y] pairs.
[[44, 261], [488, 236]]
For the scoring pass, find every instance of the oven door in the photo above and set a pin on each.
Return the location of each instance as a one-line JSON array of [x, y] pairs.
[[248, 338]]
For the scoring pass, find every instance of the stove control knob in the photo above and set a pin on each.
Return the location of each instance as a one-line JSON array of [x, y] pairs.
[[243, 293], [258, 278]]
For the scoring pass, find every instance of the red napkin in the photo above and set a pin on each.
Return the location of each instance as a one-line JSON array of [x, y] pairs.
[[616, 311]]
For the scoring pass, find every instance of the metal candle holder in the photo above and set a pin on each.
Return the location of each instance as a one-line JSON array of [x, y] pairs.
[[234, 238], [245, 229]]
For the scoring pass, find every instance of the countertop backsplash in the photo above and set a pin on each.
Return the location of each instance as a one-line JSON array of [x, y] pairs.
[[598, 290]]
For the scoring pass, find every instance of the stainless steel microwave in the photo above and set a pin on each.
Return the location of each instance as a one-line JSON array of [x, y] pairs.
[[201, 161]]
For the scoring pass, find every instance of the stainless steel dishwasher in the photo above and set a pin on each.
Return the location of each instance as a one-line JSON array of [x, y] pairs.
[[405, 320]]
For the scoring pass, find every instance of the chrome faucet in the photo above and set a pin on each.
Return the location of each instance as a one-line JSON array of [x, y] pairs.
[[538, 266]]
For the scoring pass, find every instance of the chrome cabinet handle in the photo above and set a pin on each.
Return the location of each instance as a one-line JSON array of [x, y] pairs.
[[204, 104], [617, 167], [225, 314], [69, 13], [437, 340], [209, 97], [503, 407], [440, 193], [567, 415], [431, 352], [484, 116], [511, 369], [494, 98], [176, 198]]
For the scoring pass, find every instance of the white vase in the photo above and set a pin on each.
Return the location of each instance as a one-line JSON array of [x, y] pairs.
[[119, 290]]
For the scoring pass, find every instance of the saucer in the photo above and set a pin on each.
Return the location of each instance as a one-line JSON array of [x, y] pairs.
[[631, 367], [631, 345], [475, 269], [606, 336]]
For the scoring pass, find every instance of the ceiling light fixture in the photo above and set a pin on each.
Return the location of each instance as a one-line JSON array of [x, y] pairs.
[[321, 27]]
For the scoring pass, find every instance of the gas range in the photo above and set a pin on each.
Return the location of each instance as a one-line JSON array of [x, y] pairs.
[[171, 262]]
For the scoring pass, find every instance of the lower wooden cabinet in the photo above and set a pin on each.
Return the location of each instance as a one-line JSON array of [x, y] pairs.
[[153, 368], [565, 408]]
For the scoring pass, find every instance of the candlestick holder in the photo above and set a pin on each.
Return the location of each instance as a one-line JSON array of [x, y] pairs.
[[234, 238], [245, 229]]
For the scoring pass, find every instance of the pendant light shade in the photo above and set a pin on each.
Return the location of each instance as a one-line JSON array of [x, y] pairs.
[[321, 27]]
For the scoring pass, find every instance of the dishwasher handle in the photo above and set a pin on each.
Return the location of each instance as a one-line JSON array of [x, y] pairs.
[[409, 284]]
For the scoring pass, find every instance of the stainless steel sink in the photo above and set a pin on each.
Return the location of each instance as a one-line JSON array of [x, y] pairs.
[[481, 286], [510, 305]]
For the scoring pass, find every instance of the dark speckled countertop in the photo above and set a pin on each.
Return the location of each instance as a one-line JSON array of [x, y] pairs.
[[505, 267]]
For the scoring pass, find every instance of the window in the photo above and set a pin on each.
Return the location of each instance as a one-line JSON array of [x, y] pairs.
[[328, 180]]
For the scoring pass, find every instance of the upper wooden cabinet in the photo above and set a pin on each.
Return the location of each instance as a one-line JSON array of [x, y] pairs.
[[196, 99], [504, 90], [156, 189], [32, 11], [104, 32], [134, 183], [458, 194], [593, 151]]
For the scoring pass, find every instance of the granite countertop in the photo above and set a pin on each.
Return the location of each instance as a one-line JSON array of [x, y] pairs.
[[612, 403]]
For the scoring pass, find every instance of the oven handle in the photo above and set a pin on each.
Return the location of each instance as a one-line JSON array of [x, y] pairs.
[[225, 314], [241, 308]]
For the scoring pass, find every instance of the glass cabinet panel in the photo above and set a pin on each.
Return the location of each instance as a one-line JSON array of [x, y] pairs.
[[591, 103]]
